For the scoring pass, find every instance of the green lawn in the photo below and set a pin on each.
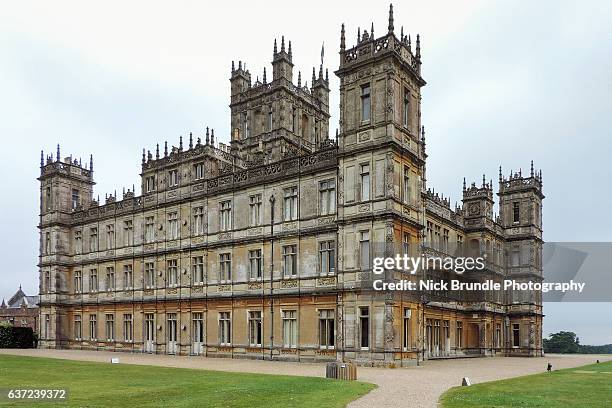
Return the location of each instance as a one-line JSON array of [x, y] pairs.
[[589, 386], [123, 385]]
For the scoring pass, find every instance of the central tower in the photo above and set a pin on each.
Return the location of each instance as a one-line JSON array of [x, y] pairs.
[[277, 119]]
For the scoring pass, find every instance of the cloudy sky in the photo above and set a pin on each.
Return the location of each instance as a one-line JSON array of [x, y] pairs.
[[507, 81]]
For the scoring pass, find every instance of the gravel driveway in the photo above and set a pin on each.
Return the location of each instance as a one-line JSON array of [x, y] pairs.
[[416, 387]]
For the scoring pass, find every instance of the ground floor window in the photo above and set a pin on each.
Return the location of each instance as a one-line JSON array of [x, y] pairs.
[[47, 326], [172, 329], [93, 327], [78, 328], [516, 335], [198, 328], [327, 329], [446, 328], [498, 335], [406, 328], [110, 327], [364, 327], [290, 328], [128, 328], [255, 328], [149, 327], [225, 326], [459, 335]]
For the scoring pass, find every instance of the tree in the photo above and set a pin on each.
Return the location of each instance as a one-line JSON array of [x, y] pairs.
[[562, 343]]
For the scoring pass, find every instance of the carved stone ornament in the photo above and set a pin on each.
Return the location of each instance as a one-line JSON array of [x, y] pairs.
[[474, 209]]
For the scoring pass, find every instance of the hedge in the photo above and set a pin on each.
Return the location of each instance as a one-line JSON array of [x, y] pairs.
[[17, 337]]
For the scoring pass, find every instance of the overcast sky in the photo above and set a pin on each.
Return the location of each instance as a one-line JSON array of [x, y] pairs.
[[508, 82]]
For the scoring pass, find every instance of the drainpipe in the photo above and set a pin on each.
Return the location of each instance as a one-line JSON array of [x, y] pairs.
[[271, 276]]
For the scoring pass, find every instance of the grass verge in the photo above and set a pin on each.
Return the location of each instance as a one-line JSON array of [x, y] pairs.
[[123, 385], [589, 386]]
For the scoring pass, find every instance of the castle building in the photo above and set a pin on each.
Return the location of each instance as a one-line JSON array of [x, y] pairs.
[[21, 310], [262, 248]]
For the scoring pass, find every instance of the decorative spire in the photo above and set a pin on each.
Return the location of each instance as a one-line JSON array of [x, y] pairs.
[[42, 158], [358, 35], [418, 47], [372, 30], [265, 81], [166, 148], [322, 52], [500, 174], [321, 72], [91, 162], [283, 43], [58, 152], [190, 140], [157, 151], [409, 44], [212, 137], [143, 155], [532, 168], [326, 75], [390, 18], [180, 142], [483, 181], [207, 135], [289, 51], [336, 135], [464, 187], [233, 67], [342, 39], [275, 47], [299, 79], [313, 76]]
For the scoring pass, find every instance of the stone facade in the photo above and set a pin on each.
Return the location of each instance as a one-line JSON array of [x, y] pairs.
[[262, 248]]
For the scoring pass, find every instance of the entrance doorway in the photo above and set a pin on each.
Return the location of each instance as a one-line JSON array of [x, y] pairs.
[[172, 333], [198, 334]]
